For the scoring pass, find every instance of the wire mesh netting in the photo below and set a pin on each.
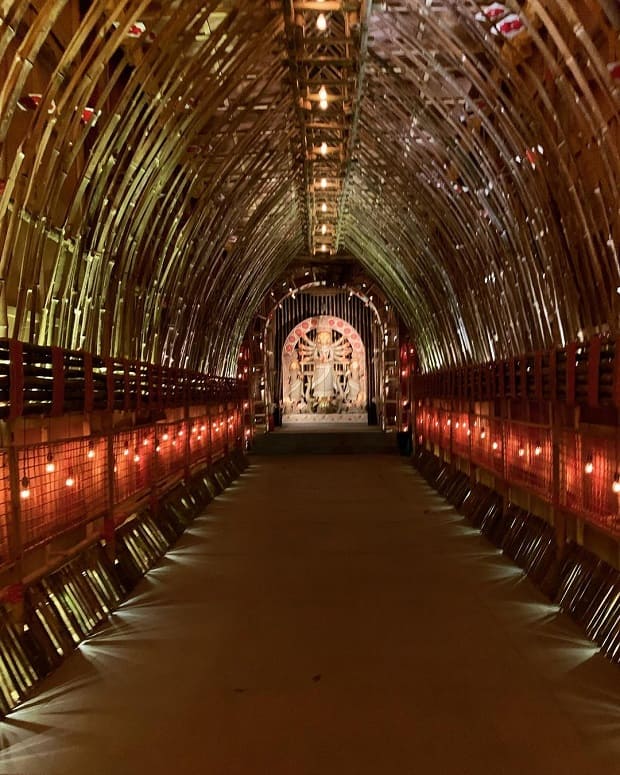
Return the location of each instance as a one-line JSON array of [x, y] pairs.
[[62, 484], [589, 482]]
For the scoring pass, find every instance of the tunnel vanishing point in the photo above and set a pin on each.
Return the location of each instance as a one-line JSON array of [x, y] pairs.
[[218, 217]]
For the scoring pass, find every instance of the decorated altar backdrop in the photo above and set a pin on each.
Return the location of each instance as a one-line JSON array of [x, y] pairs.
[[317, 303], [324, 372]]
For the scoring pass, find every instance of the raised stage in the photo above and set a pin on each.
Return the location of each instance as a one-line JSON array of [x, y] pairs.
[[343, 418]]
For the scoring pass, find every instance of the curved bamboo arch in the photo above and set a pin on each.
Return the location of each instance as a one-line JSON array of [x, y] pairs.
[[154, 184]]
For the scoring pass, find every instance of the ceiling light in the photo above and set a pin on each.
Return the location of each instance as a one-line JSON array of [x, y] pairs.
[[324, 229], [323, 104], [323, 148], [322, 93], [324, 207], [321, 22], [323, 182]]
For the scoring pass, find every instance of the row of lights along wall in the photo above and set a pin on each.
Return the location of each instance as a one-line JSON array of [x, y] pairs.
[[577, 470], [50, 487]]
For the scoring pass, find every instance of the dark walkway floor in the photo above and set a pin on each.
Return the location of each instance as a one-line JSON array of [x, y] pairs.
[[328, 615]]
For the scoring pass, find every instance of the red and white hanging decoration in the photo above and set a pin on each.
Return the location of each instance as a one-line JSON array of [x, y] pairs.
[[136, 30], [32, 102]]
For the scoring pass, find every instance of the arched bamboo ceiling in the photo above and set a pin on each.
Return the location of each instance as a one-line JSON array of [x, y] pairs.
[[154, 169]]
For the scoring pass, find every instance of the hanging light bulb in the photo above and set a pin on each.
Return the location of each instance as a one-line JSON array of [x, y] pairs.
[[157, 447], [180, 433], [145, 442], [324, 229], [616, 483], [495, 446], [91, 450], [483, 433], [25, 488], [165, 436], [136, 456], [322, 93], [323, 148], [50, 466], [323, 208], [589, 466], [323, 182], [538, 449], [321, 22], [70, 480], [126, 450], [521, 451]]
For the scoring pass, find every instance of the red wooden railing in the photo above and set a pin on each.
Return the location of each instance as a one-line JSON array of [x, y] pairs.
[[51, 381], [586, 374]]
